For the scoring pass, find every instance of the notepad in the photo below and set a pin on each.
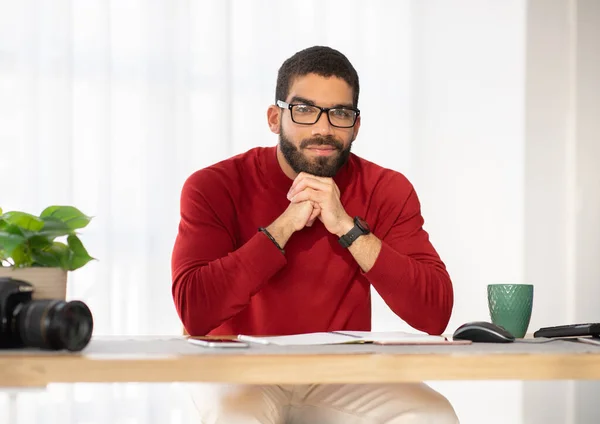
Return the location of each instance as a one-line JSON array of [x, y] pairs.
[[345, 337]]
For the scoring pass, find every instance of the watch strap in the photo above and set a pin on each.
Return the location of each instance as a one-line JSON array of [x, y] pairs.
[[350, 237]]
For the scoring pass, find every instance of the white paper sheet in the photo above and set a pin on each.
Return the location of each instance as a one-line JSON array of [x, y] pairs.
[[344, 337]]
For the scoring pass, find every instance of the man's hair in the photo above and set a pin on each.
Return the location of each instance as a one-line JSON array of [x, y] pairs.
[[319, 60]]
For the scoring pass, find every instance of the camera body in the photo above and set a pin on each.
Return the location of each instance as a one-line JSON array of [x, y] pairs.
[[46, 323], [13, 294]]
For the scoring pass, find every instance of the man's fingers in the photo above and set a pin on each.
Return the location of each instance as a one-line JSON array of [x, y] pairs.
[[305, 183], [307, 175], [309, 181], [307, 194], [316, 212]]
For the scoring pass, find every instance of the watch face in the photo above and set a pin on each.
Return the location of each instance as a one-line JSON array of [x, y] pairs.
[[362, 224]]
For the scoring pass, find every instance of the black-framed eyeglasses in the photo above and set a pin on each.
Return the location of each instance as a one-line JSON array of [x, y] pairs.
[[340, 117]]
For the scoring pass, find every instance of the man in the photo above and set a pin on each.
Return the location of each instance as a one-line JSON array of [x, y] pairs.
[[289, 239]]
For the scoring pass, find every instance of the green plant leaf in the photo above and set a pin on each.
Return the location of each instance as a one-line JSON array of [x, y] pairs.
[[10, 241], [70, 215], [21, 256], [38, 242], [54, 227], [24, 221], [3, 258], [79, 256], [55, 255], [0, 211], [13, 229]]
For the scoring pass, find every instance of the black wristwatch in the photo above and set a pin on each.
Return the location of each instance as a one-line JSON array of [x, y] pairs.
[[360, 228]]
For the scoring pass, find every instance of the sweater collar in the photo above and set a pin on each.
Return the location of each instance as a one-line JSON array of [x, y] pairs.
[[282, 182]]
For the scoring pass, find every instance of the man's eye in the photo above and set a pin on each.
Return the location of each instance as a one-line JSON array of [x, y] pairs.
[[304, 109], [342, 113]]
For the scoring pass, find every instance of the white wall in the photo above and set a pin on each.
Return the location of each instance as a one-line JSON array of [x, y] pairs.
[[550, 193], [587, 265], [563, 186], [467, 162], [504, 152]]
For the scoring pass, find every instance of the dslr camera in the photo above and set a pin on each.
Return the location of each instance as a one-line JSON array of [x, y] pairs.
[[44, 323]]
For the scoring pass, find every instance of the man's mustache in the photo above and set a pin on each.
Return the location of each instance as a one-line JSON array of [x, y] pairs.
[[321, 141]]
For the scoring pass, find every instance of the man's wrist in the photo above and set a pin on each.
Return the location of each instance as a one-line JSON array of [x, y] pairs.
[[281, 231], [268, 234], [346, 225]]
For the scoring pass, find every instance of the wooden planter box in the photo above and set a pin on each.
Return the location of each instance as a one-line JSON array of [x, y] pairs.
[[48, 283]]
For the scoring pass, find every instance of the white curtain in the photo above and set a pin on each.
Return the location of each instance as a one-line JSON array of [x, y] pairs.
[[110, 105]]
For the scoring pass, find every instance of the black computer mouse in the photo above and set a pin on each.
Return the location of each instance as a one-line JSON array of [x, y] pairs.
[[483, 332]]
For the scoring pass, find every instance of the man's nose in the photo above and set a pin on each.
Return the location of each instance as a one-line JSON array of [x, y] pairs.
[[322, 126]]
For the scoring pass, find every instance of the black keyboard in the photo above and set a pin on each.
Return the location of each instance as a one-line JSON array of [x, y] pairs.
[[571, 330]]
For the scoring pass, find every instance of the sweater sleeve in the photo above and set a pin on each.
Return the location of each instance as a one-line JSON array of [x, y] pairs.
[[408, 273], [213, 281]]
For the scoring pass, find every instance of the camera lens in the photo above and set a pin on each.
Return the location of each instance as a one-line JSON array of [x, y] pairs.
[[55, 324]]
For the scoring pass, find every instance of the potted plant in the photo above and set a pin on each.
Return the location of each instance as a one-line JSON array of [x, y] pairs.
[[30, 251]]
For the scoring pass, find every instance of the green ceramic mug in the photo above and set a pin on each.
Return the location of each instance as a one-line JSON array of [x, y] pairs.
[[510, 306]]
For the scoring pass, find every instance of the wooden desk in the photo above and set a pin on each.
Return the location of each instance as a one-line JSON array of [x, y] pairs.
[[171, 359]]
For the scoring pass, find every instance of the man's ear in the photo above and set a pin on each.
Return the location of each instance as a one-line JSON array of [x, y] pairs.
[[274, 119]]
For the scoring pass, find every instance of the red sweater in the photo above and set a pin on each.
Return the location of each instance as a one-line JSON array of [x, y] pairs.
[[229, 278]]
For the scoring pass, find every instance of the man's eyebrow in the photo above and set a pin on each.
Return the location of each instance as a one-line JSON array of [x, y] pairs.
[[346, 105], [298, 99]]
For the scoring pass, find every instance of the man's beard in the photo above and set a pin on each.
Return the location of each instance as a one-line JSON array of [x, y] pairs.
[[321, 166]]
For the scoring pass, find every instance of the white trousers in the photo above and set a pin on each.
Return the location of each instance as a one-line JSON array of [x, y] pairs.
[[414, 403]]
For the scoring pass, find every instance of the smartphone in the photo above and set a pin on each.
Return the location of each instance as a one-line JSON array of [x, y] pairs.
[[215, 342]]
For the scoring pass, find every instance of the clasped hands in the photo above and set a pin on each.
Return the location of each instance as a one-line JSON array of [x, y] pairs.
[[312, 198]]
